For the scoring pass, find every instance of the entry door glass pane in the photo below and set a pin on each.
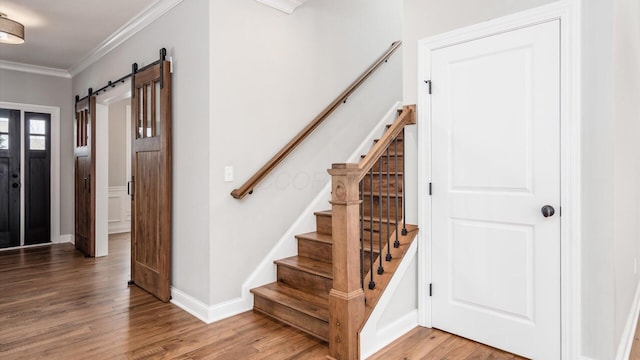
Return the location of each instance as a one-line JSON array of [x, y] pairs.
[[38, 132], [4, 133]]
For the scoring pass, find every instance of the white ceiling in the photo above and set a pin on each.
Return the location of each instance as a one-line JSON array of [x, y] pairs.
[[59, 34]]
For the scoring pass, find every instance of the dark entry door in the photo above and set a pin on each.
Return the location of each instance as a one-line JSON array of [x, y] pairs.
[[9, 178], [151, 163], [37, 144], [84, 153]]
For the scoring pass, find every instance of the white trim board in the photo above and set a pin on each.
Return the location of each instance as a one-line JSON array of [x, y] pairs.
[[568, 11], [54, 185], [34, 69], [150, 14], [265, 272]]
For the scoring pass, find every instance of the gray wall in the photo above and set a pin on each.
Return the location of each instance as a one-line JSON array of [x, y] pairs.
[[33, 89], [117, 143], [271, 73], [183, 31]]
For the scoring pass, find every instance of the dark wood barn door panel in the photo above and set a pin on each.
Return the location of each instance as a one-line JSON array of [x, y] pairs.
[[84, 153], [151, 177]]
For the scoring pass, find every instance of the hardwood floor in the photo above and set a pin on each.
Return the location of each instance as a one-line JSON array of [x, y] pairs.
[[57, 304]]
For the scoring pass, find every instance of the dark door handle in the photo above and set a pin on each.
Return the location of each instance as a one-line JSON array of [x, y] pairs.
[[15, 185], [129, 192], [548, 211]]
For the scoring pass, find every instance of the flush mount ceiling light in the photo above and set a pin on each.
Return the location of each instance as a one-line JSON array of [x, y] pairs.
[[11, 32]]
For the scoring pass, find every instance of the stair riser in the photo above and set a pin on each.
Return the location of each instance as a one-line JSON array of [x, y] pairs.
[[304, 322], [305, 281], [323, 224], [377, 202], [376, 233], [379, 183], [315, 250], [393, 149], [392, 164]]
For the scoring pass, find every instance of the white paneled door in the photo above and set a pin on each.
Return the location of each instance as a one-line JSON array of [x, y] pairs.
[[495, 127]]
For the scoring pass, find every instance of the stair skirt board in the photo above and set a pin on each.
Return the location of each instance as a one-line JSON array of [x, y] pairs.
[[265, 272], [373, 337]]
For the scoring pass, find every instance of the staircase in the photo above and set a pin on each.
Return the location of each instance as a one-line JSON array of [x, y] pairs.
[[301, 295]]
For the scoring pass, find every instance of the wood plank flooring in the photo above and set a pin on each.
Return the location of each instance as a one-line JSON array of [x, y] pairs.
[[57, 304]]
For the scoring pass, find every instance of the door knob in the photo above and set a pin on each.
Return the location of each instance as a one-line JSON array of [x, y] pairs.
[[548, 210]]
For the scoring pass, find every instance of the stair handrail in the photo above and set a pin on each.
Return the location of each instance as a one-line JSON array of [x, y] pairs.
[[407, 117], [347, 298], [249, 185]]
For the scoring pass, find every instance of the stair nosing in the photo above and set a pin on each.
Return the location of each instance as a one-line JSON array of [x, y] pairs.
[[283, 262], [257, 292], [309, 237]]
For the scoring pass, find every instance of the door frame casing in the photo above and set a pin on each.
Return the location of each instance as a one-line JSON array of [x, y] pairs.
[[568, 12], [54, 186]]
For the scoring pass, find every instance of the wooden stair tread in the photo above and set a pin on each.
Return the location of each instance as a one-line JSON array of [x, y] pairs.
[[301, 301], [305, 264], [316, 236], [323, 213]]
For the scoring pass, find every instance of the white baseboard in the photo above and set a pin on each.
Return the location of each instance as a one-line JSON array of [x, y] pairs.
[[190, 304], [204, 312], [65, 238], [624, 347], [265, 272]]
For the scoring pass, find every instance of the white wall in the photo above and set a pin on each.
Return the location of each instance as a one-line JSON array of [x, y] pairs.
[[597, 179], [611, 173], [271, 73], [26, 88], [626, 164], [117, 146], [183, 31]]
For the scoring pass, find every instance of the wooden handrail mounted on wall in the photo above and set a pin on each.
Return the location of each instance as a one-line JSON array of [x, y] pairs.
[[247, 187]]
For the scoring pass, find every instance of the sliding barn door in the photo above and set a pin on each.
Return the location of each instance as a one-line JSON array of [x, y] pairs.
[[85, 170], [151, 178]]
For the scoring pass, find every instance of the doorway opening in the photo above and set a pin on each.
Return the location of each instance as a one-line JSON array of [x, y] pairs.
[[113, 166]]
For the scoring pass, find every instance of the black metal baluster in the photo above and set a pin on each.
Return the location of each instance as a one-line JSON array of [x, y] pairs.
[[372, 284], [388, 236], [404, 200], [362, 234], [395, 148], [380, 197]]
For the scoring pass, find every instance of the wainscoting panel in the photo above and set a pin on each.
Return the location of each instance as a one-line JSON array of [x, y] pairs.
[[119, 210]]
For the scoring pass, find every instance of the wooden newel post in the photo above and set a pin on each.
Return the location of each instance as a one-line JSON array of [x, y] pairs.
[[346, 299]]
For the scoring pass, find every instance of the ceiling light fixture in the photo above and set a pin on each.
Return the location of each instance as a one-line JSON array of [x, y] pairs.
[[11, 32]]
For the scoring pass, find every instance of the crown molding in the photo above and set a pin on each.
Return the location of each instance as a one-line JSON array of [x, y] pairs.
[[34, 69], [286, 6], [133, 26]]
